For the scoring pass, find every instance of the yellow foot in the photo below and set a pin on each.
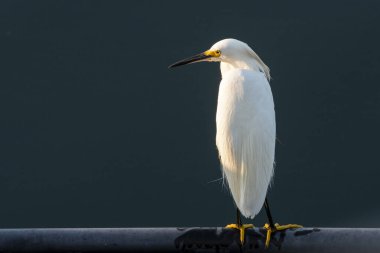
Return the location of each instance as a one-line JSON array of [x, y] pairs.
[[277, 228], [241, 228]]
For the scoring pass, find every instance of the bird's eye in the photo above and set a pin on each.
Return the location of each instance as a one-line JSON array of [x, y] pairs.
[[218, 51]]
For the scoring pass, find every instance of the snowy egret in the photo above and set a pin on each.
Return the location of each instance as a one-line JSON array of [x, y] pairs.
[[246, 128]]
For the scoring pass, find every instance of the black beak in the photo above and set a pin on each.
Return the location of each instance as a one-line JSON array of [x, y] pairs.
[[192, 59]]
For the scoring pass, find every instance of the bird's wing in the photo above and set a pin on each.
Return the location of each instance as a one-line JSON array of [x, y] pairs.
[[246, 132]]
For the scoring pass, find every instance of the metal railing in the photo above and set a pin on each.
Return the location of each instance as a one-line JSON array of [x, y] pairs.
[[305, 240]]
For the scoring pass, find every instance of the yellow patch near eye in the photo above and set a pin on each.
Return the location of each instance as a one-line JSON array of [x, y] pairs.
[[213, 53]]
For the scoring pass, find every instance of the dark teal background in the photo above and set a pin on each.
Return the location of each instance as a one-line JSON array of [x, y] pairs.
[[95, 131]]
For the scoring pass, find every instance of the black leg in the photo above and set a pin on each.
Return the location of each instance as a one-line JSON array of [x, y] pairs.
[[269, 215], [238, 217]]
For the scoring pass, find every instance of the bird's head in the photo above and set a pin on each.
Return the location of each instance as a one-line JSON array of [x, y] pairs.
[[229, 51]]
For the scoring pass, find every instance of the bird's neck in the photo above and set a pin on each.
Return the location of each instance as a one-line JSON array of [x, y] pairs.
[[249, 64]]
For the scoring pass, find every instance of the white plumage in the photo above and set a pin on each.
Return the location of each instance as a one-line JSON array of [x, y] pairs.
[[245, 119], [246, 137]]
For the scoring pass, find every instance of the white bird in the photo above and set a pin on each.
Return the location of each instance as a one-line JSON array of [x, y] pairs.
[[246, 127]]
